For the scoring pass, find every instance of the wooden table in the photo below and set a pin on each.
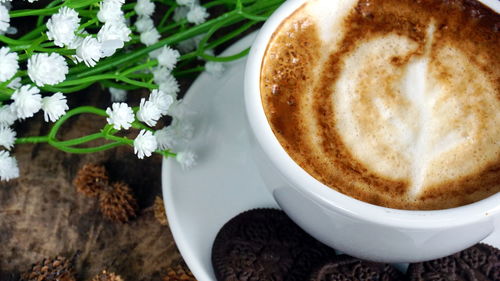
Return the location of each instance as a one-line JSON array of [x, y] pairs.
[[42, 215]]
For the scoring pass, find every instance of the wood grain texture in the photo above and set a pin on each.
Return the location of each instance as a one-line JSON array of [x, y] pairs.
[[42, 215]]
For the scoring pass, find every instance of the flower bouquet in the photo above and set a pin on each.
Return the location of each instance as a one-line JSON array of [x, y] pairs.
[[124, 46]]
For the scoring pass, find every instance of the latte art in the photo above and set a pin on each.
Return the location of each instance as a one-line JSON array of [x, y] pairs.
[[393, 102]]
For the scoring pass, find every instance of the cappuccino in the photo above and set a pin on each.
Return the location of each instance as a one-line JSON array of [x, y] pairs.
[[392, 102]]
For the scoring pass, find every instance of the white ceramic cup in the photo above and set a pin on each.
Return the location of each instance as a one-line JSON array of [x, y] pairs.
[[344, 223]]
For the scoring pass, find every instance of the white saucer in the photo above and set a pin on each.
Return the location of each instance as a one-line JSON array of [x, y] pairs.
[[225, 182]]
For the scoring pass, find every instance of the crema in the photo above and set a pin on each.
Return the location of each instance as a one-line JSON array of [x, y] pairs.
[[392, 102]]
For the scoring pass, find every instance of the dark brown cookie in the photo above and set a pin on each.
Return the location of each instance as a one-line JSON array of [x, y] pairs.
[[346, 268], [477, 263], [264, 244]]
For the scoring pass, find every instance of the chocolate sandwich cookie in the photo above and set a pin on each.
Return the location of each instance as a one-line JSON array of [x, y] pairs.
[[477, 263], [264, 244], [346, 268]]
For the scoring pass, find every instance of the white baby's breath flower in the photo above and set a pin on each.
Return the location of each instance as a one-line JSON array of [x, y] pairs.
[[190, 44], [112, 35], [15, 83], [145, 144], [76, 43], [168, 57], [187, 159], [7, 115], [178, 132], [161, 100], [8, 166], [45, 69], [154, 53], [166, 137], [115, 30], [27, 101], [4, 19], [120, 2], [215, 68], [197, 14], [62, 26], [186, 2], [8, 64], [144, 8], [90, 51], [120, 116], [117, 95], [7, 137], [179, 110], [150, 37], [148, 112], [170, 86], [160, 74], [54, 107], [144, 24], [110, 11], [180, 13]]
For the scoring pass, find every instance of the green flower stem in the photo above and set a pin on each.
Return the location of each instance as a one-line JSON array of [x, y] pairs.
[[35, 44], [189, 71], [10, 41], [34, 33], [61, 51], [230, 35], [76, 111], [139, 125], [32, 139], [88, 23], [81, 140], [54, 3], [5, 94], [167, 15], [85, 150], [34, 12], [166, 153], [76, 4], [110, 84], [164, 29], [67, 89], [225, 2], [122, 140], [101, 77], [227, 58], [139, 67], [19, 47]]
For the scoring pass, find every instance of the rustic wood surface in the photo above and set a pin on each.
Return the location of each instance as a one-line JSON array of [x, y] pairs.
[[42, 215]]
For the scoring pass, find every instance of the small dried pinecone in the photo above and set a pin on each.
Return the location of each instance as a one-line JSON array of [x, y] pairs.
[[159, 210], [118, 203], [91, 179], [107, 276], [51, 269], [179, 273]]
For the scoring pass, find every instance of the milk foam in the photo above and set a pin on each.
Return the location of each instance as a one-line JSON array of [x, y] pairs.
[[404, 118]]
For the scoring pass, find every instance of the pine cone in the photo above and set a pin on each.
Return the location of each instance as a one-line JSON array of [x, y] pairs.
[[91, 179], [55, 269], [179, 273], [107, 276], [118, 203], [159, 210]]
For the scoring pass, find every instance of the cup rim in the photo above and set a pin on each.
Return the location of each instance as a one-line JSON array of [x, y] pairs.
[[326, 197]]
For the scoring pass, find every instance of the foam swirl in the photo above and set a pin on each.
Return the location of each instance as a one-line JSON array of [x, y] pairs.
[[400, 107]]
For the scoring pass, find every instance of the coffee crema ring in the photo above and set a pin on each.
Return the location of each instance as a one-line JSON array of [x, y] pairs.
[[396, 103]]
